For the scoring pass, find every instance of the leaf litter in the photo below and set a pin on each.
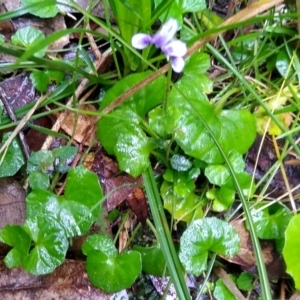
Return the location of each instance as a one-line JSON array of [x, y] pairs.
[[119, 186]]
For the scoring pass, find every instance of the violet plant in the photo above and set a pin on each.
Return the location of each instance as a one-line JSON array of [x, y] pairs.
[[164, 39]]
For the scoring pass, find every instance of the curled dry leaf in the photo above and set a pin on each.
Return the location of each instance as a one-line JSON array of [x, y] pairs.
[[81, 127], [138, 204], [120, 186], [273, 260]]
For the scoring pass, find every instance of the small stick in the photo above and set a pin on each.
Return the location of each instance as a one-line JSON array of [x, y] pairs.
[[22, 124], [220, 272]]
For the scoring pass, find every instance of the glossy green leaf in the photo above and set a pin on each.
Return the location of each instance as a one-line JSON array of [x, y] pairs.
[[27, 37], [40, 80], [153, 261], [16, 237], [219, 174], [239, 122], [56, 76], [221, 292], [120, 132], [194, 78], [47, 11], [291, 250], [113, 273], [75, 217], [100, 243], [173, 11], [222, 198], [40, 161], [183, 208], [39, 180], [13, 158], [180, 162], [245, 182], [65, 152], [283, 62], [192, 5], [189, 132], [50, 248], [271, 222], [209, 234], [161, 123], [83, 187], [245, 282], [228, 127]]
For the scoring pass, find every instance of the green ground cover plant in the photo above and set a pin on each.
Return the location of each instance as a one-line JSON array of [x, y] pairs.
[[159, 110]]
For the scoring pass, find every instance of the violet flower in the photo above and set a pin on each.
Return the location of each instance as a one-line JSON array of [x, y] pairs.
[[164, 39]]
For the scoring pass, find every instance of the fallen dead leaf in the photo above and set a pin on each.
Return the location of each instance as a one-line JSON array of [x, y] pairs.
[[35, 138], [12, 202], [117, 187], [138, 204], [274, 263], [78, 125], [12, 206], [18, 91], [69, 281]]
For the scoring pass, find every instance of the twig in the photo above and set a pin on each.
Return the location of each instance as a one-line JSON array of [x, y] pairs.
[[22, 124], [220, 272]]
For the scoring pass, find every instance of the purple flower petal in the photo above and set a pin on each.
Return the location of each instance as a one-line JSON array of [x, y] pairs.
[[166, 33], [141, 40], [175, 48], [177, 64]]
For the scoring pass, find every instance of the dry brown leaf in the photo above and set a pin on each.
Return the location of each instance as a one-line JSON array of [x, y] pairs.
[[12, 202], [69, 281], [138, 204], [12, 206], [78, 125], [246, 258], [17, 90], [107, 170]]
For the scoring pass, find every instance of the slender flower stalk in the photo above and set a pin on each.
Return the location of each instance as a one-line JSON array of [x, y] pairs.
[[164, 39]]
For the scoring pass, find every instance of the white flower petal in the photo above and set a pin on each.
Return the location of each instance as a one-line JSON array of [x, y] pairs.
[[141, 40], [175, 48], [166, 33], [177, 64]]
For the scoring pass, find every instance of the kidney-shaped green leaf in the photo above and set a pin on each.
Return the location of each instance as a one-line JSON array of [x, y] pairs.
[[271, 222], [291, 250], [113, 273], [42, 11], [27, 37], [50, 248], [101, 243], [76, 218], [227, 128], [13, 158], [209, 234], [120, 132], [15, 236], [84, 188], [153, 260]]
